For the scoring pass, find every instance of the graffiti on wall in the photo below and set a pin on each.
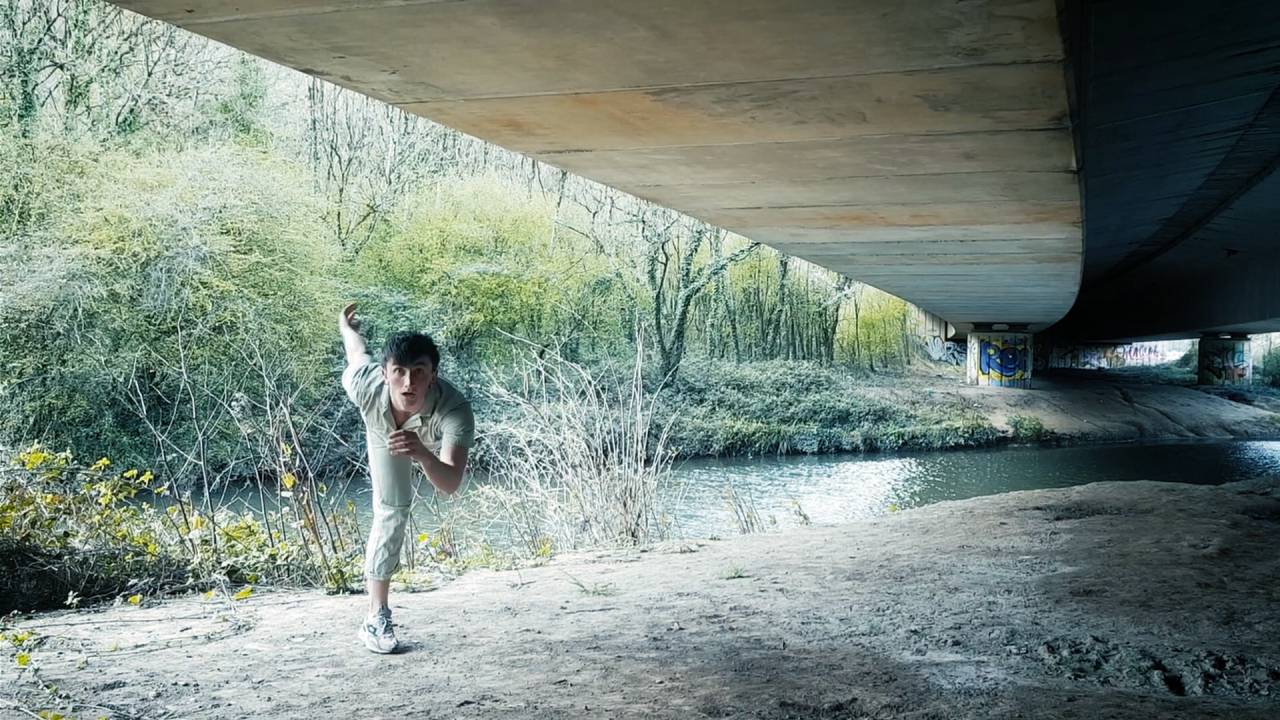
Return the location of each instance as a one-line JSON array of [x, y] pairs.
[[1108, 357], [944, 351], [1003, 360], [1224, 362], [932, 332]]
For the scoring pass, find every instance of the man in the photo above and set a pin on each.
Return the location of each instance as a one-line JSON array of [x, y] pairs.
[[411, 415]]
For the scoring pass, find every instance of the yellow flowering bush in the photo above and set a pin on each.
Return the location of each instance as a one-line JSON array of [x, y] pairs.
[[70, 529]]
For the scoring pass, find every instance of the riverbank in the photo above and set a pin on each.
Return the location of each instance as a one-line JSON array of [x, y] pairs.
[[765, 409], [1119, 408], [780, 408], [1137, 599]]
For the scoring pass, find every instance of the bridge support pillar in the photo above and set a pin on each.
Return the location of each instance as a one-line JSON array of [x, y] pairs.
[[999, 358], [1225, 360]]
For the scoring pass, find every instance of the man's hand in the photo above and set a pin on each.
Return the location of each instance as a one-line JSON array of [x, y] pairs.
[[352, 343], [444, 472], [347, 319], [407, 442]]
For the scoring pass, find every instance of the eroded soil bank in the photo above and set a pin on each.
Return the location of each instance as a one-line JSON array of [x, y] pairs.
[[1117, 408], [1134, 599]]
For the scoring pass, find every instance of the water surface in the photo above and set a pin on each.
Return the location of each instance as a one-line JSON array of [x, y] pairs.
[[781, 492]]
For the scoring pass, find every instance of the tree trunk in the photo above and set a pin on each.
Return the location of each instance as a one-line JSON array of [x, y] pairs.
[[775, 316]]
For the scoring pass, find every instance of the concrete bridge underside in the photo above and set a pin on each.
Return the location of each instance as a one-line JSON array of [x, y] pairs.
[[992, 161], [921, 146], [1177, 123]]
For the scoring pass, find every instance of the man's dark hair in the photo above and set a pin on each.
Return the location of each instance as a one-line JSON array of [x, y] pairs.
[[410, 348]]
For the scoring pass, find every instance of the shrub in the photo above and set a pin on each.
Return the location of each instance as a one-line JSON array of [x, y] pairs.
[[143, 270], [1027, 428], [1269, 369], [775, 407], [577, 461], [88, 531]]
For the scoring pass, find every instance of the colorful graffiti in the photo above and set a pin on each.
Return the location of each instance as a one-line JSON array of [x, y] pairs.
[[1000, 360], [944, 351], [1003, 360], [1225, 361]]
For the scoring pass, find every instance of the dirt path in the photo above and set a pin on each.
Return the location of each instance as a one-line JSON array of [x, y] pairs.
[[1110, 410], [1109, 600]]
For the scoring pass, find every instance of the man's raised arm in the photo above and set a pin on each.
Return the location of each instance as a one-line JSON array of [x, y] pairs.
[[352, 343]]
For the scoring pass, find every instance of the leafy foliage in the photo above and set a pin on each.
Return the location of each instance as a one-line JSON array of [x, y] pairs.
[[1269, 371], [1027, 428], [484, 262], [92, 532], [149, 269], [782, 407]]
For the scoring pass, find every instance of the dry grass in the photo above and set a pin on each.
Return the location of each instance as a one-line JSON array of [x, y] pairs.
[[577, 461]]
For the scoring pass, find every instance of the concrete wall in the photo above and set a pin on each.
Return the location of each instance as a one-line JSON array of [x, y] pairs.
[[1052, 356], [936, 337], [1000, 359]]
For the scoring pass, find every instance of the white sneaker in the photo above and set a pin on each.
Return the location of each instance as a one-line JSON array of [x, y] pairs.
[[377, 633]]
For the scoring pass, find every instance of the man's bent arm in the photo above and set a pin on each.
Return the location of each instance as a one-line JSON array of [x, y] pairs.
[[445, 471]]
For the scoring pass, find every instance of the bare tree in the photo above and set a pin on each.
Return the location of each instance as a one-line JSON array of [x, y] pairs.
[[675, 280], [367, 156], [92, 66]]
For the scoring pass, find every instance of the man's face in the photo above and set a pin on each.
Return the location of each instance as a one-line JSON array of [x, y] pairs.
[[408, 384]]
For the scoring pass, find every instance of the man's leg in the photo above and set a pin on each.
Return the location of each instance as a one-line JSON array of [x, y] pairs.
[[378, 591], [392, 495], [382, 553], [382, 556]]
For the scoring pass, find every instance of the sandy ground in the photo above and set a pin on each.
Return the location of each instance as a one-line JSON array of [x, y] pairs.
[[1144, 600], [1118, 409]]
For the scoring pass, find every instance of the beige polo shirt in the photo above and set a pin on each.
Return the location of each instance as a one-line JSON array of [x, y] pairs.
[[445, 421]]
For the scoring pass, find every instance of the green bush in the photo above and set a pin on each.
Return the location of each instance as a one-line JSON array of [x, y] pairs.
[[1269, 369], [142, 273], [73, 530], [947, 435], [796, 407], [1027, 428], [484, 262]]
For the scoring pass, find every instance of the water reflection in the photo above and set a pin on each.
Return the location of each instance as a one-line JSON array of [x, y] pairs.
[[834, 489]]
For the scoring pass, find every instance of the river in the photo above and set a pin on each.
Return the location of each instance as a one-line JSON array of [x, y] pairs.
[[781, 492]]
